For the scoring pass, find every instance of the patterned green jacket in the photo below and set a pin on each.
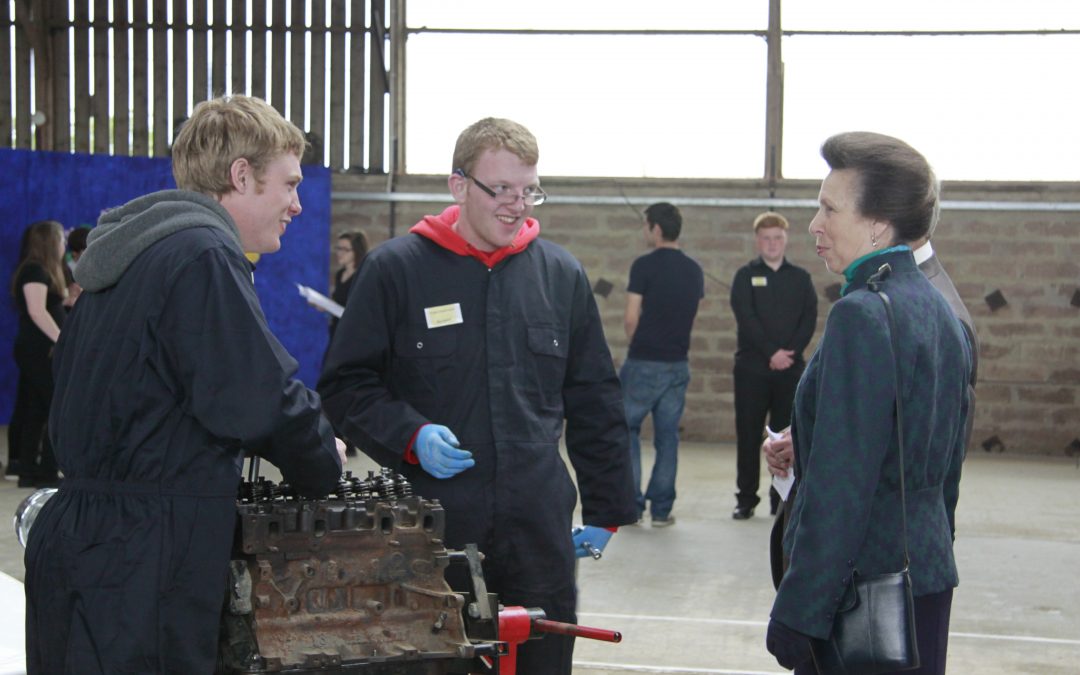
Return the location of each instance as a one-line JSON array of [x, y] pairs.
[[846, 514]]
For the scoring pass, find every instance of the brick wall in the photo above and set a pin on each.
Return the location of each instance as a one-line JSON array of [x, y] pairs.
[[1029, 389]]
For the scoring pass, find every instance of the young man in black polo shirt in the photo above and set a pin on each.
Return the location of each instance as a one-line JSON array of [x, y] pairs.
[[775, 308], [661, 303]]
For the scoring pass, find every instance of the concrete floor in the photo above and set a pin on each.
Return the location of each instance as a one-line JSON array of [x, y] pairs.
[[695, 597]]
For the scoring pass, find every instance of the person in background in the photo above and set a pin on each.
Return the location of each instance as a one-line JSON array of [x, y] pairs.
[[931, 266], [350, 249], [775, 308], [39, 291], [475, 343], [166, 374], [879, 196], [76, 245], [662, 300]]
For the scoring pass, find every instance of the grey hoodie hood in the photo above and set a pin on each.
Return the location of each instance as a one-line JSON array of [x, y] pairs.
[[125, 232]]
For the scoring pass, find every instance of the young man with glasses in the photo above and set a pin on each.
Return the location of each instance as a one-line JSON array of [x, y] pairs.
[[475, 341]]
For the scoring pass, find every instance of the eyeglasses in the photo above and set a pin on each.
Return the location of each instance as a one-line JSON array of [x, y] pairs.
[[343, 249], [532, 196]]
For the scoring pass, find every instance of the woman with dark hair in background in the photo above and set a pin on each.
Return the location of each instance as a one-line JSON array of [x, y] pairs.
[[39, 290], [879, 196], [350, 249]]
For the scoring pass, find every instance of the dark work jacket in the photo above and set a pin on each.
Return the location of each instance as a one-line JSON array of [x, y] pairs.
[[163, 380], [846, 512], [528, 353]]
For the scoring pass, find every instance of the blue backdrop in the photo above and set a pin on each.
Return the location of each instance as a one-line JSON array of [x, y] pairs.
[[74, 189]]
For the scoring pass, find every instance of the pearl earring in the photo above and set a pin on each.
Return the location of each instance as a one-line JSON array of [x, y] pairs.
[[873, 240]]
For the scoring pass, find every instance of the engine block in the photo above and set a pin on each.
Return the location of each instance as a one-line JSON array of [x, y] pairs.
[[352, 582]]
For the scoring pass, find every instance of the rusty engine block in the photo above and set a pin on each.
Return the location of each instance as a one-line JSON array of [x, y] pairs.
[[350, 583]]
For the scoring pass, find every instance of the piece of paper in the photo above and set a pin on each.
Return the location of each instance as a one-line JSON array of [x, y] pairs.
[[321, 301], [782, 485]]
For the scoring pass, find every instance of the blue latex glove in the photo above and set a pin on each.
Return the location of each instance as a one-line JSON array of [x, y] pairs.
[[596, 538], [437, 449], [790, 647]]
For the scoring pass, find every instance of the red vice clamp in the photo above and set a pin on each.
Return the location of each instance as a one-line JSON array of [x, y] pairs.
[[518, 624]]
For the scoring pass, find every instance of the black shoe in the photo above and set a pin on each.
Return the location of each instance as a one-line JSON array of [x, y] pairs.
[[742, 512]]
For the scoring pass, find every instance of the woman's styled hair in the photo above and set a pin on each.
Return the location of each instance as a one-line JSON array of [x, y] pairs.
[[41, 246], [896, 183], [493, 133], [223, 130]]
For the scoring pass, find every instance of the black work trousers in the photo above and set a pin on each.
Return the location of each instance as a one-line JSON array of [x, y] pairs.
[[760, 393]]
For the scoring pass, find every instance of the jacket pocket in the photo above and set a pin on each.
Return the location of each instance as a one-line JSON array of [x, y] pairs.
[[422, 358], [421, 343], [548, 341], [549, 348]]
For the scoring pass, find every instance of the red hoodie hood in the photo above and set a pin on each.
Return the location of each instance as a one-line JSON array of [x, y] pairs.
[[440, 229]]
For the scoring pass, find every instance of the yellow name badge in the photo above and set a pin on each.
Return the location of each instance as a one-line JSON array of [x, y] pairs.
[[443, 315], [759, 281]]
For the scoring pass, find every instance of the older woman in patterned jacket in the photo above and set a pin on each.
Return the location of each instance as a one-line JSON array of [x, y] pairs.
[[879, 195]]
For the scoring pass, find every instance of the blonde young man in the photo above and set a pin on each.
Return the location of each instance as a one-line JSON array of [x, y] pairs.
[[775, 308], [165, 373], [473, 343]]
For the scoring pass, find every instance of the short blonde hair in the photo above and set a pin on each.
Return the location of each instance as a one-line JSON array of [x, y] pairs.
[[493, 133], [225, 129], [770, 219]]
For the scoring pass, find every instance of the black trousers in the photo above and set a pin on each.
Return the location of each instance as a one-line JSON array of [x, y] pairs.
[[31, 416], [932, 614], [15, 427], [760, 393]]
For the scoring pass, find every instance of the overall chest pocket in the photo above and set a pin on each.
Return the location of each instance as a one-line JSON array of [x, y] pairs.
[[549, 348], [548, 341], [422, 343], [420, 356]]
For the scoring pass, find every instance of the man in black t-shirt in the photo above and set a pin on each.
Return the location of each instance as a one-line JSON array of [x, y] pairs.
[[661, 303], [775, 308]]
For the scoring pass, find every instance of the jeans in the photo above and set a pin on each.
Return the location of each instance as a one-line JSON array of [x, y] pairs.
[[660, 388]]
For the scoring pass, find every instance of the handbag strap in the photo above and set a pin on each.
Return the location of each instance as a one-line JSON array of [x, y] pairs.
[[874, 284]]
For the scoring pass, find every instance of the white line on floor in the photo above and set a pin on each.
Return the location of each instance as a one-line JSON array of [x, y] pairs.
[[661, 669], [736, 622], [1015, 638]]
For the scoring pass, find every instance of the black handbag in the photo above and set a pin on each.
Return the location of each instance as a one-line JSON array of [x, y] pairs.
[[874, 629]]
